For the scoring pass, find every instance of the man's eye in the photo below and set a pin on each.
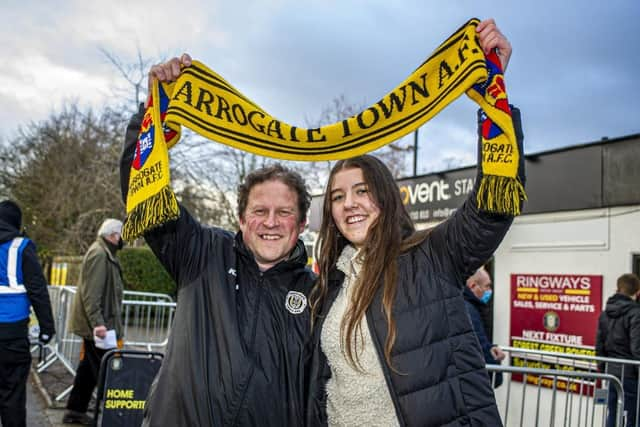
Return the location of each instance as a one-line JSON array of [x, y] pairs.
[[259, 212]]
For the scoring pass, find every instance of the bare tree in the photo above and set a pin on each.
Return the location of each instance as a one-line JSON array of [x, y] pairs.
[[64, 174], [393, 154], [135, 74], [194, 177]]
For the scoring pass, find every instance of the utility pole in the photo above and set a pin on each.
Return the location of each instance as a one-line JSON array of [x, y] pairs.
[[415, 152]]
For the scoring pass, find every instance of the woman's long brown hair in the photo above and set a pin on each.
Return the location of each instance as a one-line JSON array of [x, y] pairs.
[[389, 235]]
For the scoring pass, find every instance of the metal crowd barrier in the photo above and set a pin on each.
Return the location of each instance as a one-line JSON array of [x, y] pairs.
[[147, 319], [565, 382], [584, 405]]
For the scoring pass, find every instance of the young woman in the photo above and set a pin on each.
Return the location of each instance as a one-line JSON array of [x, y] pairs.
[[394, 345]]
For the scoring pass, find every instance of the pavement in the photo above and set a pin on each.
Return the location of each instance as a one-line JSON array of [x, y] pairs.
[[36, 407], [41, 410]]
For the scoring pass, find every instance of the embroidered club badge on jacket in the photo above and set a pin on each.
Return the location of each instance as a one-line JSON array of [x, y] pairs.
[[295, 302]]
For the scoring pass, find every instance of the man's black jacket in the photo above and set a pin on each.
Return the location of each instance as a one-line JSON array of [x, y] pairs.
[[474, 306], [618, 333], [236, 352]]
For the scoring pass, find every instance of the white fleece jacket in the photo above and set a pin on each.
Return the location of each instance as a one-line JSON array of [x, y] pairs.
[[354, 398]]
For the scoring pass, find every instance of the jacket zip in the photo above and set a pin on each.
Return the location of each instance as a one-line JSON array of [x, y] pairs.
[[250, 348]]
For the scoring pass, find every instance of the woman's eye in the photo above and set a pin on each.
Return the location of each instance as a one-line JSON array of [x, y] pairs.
[[336, 197]]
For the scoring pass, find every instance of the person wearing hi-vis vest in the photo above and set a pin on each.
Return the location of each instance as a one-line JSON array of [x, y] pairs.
[[22, 284], [95, 312]]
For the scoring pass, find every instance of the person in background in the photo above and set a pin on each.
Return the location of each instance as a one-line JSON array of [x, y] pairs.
[[96, 308], [393, 344], [618, 337], [477, 293], [22, 285]]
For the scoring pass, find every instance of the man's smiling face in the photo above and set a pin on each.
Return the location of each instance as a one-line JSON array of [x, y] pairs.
[[271, 224]]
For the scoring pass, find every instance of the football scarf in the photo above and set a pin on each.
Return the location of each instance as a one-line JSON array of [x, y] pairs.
[[206, 103]]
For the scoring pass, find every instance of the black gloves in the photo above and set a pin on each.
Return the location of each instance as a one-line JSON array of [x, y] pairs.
[[44, 338]]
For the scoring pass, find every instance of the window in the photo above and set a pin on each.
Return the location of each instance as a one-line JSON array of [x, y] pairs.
[[635, 264]]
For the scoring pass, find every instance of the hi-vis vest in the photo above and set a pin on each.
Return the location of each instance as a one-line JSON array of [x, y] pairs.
[[14, 302]]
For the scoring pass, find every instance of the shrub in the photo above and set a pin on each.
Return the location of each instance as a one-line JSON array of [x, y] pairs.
[[142, 272]]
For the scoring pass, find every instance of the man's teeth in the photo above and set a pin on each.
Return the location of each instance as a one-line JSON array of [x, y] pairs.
[[353, 219], [270, 237]]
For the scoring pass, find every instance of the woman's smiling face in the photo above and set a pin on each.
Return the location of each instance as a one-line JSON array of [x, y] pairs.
[[352, 207]]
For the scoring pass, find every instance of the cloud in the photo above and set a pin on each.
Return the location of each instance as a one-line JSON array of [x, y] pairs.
[[37, 86], [573, 70]]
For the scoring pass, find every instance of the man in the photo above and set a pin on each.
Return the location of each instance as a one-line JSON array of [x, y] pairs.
[[236, 353], [476, 294], [22, 285], [96, 308], [618, 337]]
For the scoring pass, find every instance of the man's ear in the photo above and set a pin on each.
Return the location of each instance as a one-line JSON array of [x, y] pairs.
[[301, 226]]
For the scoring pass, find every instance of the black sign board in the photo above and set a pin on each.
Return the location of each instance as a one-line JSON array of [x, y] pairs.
[[435, 197], [125, 378]]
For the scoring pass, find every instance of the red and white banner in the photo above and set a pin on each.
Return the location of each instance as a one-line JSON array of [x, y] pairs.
[[554, 312]]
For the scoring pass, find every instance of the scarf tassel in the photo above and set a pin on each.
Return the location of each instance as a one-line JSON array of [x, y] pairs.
[[151, 213], [501, 194]]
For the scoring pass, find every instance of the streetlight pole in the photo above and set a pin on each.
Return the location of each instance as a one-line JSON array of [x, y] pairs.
[[415, 152]]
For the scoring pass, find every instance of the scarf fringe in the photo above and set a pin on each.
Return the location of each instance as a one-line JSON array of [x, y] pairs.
[[501, 194], [152, 212]]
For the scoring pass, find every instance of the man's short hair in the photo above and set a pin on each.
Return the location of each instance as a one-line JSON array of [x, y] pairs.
[[280, 173], [110, 226], [628, 284], [475, 277]]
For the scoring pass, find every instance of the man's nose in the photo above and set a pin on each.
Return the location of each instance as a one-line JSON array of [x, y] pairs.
[[271, 220]]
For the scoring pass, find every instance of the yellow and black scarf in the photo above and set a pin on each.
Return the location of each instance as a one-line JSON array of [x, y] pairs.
[[204, 102]]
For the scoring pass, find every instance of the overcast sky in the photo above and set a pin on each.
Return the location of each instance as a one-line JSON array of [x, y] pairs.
[[574, 71]]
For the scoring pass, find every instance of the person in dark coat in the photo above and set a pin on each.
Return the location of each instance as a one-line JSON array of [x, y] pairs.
[[22, 285], [477, 294], [393, 344], [96, 309], [236, 355], [618, 337]]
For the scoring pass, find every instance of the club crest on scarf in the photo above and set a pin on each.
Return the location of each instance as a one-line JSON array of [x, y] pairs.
[[145, 141], [493, 87], [144, 147]]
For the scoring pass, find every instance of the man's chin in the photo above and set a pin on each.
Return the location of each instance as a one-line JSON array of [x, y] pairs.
[[270, 257]]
